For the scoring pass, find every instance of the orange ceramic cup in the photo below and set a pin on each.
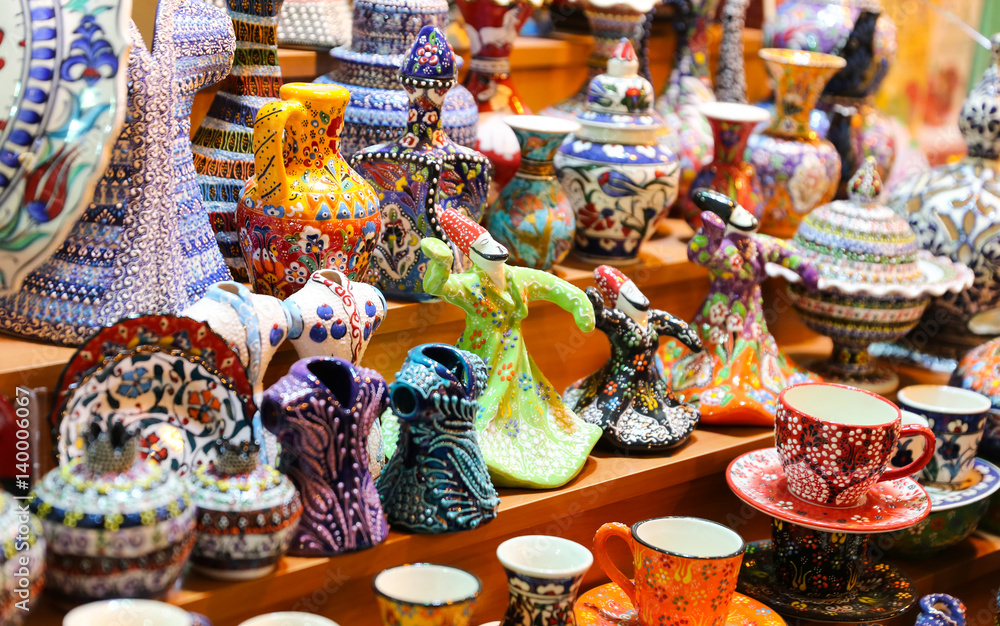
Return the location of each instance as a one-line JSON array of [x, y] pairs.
[[685, 568]]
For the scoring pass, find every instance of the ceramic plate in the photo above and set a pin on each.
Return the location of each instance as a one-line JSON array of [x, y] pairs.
[[758, 479], [62, 93], [167, 331], [982, 483], [608, 605], [180, 404], [882, 592]]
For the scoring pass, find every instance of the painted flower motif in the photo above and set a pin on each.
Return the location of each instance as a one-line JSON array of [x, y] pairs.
[[203, 406], [958, 427], [716, 336], [614, 150], [582, 146], [734, 323], [135, 383], [950, 450], [428, 54], [296, 273], [714, 397], [717, 312], [808, 184], [313, 241]]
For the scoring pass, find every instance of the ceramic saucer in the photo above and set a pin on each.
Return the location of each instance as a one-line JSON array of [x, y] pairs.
[[608, 605], [758, 479], [983, 482], [882, 592]]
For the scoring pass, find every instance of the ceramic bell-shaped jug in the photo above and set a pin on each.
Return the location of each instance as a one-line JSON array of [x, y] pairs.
[[940, 609]]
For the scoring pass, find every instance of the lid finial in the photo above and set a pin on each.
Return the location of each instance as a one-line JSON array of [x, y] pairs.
[[866, 185], [113, 449]]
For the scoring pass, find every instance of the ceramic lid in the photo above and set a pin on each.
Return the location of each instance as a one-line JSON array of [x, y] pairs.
[[382, 30], [620, 99], [235, 481], [430, 58], [979, 120], [862, 246]]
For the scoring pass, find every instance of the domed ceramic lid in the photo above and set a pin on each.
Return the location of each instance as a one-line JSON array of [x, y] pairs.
[[980, 117], [862, 246], [430, 58], [621, 98], [236, 482], [382, 30]]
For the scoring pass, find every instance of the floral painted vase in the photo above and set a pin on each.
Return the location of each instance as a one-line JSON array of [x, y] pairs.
[[874, 282], [729, 173], [22, 560], [940, 609], [532, 217], [816, 563], [383, 32], [492, 27], [436, 480], [979, 371], [798, 170], [247, 514], [322, 412], [529, 438], [736, 379], [627, 397], [316, 24], [143, 243], [422, 172], [115, 526], [617, 175], [223, 143], [334, 316], [304, 209], [952, 210]]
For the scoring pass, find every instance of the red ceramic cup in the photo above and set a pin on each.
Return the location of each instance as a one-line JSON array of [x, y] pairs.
[[835, 442]]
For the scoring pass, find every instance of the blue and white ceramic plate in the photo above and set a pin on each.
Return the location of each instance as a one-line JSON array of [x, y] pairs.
[[62, 94], [983, 482]]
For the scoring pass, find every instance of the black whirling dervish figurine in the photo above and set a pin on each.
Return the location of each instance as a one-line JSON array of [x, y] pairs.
[[436, 480], [628, 397]]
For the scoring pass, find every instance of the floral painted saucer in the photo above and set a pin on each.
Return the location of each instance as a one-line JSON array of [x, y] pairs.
[[608, 605], [882, 592], [180, 404], [758, 479], [983, 481]]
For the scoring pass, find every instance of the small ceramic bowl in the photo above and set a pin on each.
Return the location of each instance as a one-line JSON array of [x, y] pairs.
[[113, 612], [288, 618]]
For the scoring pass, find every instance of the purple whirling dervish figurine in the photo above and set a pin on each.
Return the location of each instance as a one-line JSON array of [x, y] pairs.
[[322, 412]]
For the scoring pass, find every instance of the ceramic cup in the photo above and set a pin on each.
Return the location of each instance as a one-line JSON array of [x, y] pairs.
[[543, 575], [815, 563], [910, 447], [114, 612], [289, 618], [423, 594], [685, 568], [835, 442], [958, 418]]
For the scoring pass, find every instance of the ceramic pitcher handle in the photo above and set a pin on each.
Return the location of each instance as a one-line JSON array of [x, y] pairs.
[[268, 150], [605, 532], [919, 463]]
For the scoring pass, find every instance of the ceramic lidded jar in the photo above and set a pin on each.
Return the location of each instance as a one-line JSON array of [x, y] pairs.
[[617, 175], [334, 316], [798, 170], [532, 217], [247, 514], [874, 282], [115, 526], [953, 209], [22, 569], [422, 172], [305, 209]]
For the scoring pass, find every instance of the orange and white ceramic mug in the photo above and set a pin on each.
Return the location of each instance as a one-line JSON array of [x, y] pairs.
[[685, 568]]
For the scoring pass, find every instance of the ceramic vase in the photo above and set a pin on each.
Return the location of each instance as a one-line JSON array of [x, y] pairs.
[[143, 243], [334, 316], [951, 209], [736, 379], [247, 514], [436, 480], [532, 217], [322, 412], [617, 175], [22, 571], [305, 209], [728, 172], [316, 24], [383, 31], [223, 143], [940, 609], [979, 371], [492, 27], [874, 282], [115, 526], [422, 171], [610, 20], [627, 397], [529, 438], [798, 170], [544, 575]]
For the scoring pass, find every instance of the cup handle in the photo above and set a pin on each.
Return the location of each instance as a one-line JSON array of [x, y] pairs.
[[605, 532], [921, 461]]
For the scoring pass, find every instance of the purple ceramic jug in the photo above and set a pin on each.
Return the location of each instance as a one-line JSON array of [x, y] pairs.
[[321, 413]]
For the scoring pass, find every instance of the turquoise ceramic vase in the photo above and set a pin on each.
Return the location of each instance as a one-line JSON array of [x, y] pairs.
[[532, 217]]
